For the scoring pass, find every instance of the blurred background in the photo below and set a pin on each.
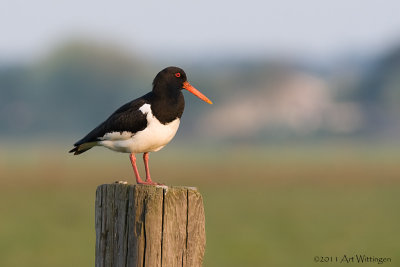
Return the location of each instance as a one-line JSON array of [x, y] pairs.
[[298, 157]]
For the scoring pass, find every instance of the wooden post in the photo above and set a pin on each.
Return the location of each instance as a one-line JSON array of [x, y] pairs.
[[142, 225]]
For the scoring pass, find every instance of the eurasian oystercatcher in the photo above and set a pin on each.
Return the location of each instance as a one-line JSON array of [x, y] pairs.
[[145, 124]]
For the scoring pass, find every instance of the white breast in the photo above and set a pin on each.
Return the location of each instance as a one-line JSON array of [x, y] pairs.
[[154, 137]]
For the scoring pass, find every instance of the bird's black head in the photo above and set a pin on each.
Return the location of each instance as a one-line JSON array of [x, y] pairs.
[[170, 81]]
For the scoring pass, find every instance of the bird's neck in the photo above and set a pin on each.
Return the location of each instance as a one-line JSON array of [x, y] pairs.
[[168, 106]]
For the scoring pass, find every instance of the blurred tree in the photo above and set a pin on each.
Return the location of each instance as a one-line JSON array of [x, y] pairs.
[[79, 79]]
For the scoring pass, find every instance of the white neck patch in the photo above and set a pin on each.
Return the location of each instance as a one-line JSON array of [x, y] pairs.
[[146, 108]]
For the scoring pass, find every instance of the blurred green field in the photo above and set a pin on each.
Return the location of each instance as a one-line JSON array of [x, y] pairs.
[[265, 206]]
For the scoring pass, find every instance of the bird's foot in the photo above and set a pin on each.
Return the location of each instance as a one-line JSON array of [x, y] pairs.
[[149, 183]]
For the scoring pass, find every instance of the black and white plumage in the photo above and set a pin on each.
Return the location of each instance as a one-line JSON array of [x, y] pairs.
[[145, 124]]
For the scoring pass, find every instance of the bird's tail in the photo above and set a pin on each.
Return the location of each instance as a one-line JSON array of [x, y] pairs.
[[79, 149]]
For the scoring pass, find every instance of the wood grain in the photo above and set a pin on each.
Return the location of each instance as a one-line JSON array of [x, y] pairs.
[[141, 225]]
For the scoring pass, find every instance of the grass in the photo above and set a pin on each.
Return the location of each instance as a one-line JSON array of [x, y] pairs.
[[266, 206], [289, 226]]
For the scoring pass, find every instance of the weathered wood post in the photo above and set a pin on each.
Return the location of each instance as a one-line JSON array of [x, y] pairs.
[[141, 225]]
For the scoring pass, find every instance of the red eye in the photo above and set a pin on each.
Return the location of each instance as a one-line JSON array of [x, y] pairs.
[[177, 75]]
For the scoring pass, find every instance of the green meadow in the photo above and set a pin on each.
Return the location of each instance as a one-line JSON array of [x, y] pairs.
[[265, 206]]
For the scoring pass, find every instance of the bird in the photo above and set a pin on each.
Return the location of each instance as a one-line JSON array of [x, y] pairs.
[[145, 124]]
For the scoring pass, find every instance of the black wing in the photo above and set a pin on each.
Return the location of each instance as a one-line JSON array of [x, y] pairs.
[[126, 118]]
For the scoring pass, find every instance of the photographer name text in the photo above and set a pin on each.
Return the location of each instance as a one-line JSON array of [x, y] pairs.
[[356, 258]]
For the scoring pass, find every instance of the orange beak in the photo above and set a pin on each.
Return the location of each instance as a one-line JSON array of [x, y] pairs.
[[190, 88]]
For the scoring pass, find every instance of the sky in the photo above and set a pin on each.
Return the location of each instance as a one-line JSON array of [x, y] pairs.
[[321, 29]]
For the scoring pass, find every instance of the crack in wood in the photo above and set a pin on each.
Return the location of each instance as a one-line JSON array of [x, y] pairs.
[[144, 231], [187, 224], [162, 224], [126, 227]]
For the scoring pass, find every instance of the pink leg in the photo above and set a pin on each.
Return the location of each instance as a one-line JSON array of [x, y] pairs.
[[135, 170], [146, 166]]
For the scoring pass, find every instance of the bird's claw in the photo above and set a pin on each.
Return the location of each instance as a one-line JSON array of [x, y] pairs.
[[149, 183]]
